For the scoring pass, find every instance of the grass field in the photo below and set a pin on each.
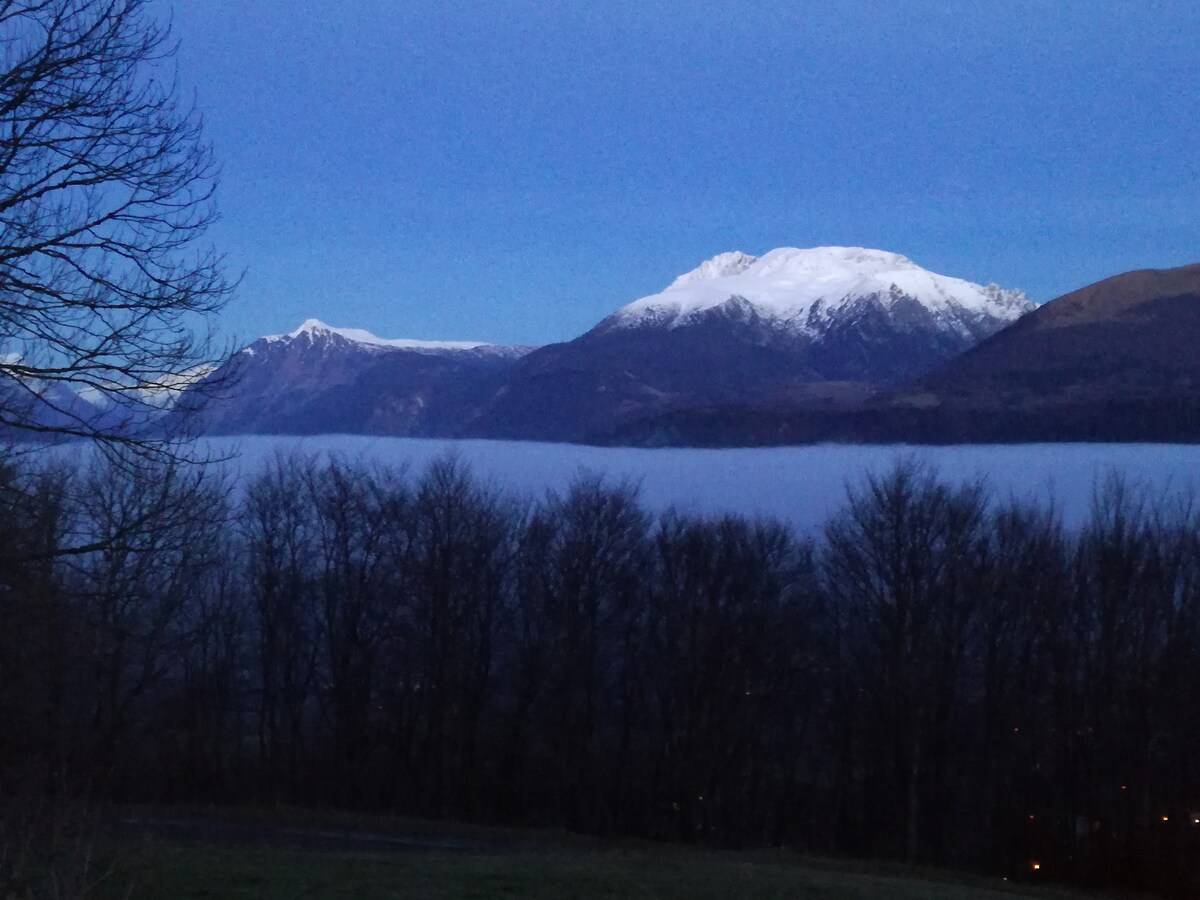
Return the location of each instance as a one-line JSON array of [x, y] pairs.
[[186, 872], [165, 867]]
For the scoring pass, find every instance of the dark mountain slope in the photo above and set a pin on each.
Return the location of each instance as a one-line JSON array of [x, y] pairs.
[[322, 380], [1131, 337]]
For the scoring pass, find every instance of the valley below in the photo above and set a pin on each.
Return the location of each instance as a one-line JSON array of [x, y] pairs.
[[801, 486]]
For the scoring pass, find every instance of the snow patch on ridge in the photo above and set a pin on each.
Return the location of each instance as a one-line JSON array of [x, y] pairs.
[[720, 266]]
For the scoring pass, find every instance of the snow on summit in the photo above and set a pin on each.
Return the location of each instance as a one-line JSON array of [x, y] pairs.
[[720, 266], [313, 328], [800, 287]]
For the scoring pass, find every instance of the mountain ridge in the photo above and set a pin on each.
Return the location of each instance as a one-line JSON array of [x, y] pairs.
[[312, 328], [824, 327], [791, 327], [319, 379]]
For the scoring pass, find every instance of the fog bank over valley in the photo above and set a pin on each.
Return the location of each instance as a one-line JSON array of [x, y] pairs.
[[799, 485]]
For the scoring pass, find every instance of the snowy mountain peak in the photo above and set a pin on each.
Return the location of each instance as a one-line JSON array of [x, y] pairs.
[[802, 290], [314, 329], [825, 261], [311, 326], [720, 266]]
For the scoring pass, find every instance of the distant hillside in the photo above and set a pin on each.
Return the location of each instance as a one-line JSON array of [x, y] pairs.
[[1116, 360], [1131, 337], [324, 380]]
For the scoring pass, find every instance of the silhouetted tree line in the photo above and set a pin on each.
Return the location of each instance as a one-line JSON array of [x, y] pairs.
[[939, 675]]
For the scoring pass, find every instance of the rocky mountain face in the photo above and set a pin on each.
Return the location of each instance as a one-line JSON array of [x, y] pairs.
[[321, 380]]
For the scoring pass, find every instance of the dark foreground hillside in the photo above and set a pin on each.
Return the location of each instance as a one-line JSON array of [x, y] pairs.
[[523, 865], [939, 676]]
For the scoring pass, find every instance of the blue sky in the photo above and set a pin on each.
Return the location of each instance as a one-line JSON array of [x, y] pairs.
[[515, 171]]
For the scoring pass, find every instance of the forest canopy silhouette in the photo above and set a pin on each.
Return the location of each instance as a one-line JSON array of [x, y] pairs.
[[938, 675]]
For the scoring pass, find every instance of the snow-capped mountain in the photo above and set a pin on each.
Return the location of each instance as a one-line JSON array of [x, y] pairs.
[[829, 343], [806, 292], [820, 327], [1117, 360], [321, 379], [315, 332]]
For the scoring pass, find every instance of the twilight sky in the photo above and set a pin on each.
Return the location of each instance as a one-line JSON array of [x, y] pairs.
[[515, 171]]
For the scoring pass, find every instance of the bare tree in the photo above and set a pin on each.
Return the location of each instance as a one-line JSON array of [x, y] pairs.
[[902, 563], [278, 528], [459, 576], [106, 189], [159, 537]]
